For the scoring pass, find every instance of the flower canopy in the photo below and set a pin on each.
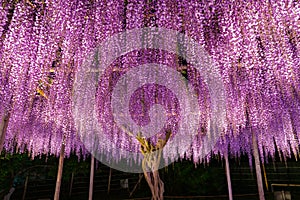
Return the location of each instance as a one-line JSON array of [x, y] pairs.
[[255, 45]]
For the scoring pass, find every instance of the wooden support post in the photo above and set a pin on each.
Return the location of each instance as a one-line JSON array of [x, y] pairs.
[[59, 172], [91, 188], [25, 187], [265, 176], [71, 184], [136, 185], [3, 128], [227, 168], [258, 168], [2, 135], [109, 179]]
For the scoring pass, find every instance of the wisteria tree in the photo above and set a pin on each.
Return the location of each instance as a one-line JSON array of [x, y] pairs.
[[254, 47]]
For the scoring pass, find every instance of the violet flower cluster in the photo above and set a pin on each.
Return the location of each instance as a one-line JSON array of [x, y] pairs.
[[255, 45]]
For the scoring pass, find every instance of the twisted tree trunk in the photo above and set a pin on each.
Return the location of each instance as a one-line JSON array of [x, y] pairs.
[[150, 167], [150, 164]]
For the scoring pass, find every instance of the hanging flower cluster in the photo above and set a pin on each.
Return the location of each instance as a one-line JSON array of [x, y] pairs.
[[255, 45]]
